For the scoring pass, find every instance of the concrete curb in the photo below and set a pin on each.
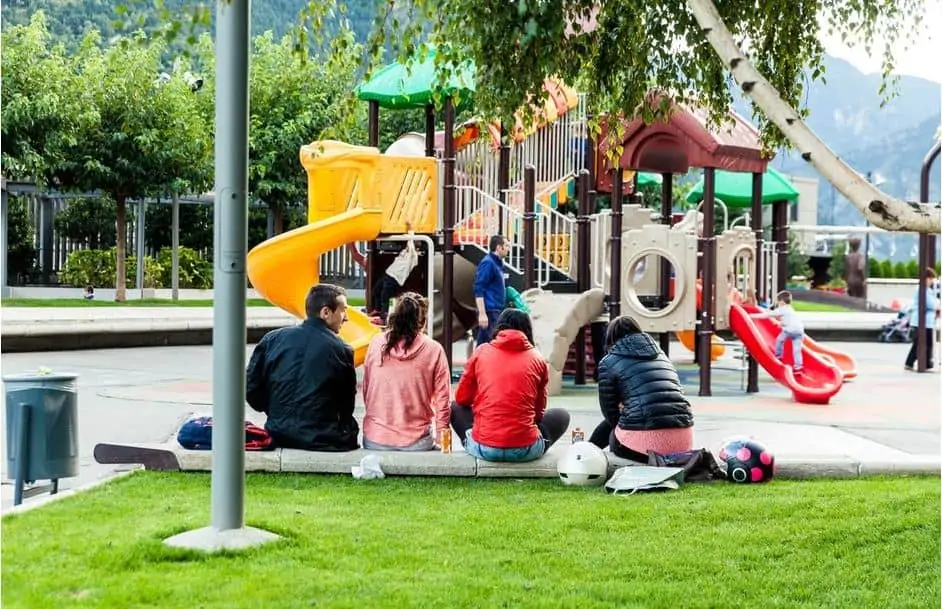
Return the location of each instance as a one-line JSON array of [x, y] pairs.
[[117, 338], [170, 456], [131, 334], [43, 500]]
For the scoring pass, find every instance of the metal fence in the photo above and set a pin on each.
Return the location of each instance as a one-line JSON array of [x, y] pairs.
[[53, 248]]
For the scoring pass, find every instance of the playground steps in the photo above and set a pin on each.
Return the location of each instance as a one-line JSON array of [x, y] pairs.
[[473, 253], [590, 362]]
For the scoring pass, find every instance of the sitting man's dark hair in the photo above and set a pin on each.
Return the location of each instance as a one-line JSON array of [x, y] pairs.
[[322, 295], [514, 319], [495, 242], [619, 328]]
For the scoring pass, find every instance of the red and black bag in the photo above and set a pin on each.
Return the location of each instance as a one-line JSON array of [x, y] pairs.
[[197, 434]]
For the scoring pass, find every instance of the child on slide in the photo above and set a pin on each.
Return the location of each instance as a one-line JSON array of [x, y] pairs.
[[792, 328]]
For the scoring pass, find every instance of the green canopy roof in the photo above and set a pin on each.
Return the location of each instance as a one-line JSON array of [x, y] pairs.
[[414, 84], [649, 179], [735, 189]]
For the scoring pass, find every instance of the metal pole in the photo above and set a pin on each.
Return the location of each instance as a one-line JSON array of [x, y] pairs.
[[141, 214], [922, 298], [231, 222], [448, 228], [705, 335], [667, 207], [614, 292], [752, 374], [926, 256], [22, 450], [529, 232], [4, 217], [175, 246]]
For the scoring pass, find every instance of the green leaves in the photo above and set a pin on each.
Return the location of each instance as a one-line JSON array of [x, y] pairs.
[[618, 51]]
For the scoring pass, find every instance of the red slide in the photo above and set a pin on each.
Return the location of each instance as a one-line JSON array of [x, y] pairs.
[[820, 380]]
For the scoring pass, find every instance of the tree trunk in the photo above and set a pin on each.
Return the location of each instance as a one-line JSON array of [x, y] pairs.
[[880, 208], [121, 276], [278, 219]]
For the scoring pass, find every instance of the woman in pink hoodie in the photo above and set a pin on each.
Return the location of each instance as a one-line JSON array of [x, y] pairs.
[[406, 384]]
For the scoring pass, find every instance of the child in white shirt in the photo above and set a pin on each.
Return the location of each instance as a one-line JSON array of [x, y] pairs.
[[792, 328], [395, 276]]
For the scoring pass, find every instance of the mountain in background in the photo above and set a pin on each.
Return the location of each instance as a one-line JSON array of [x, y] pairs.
[[70, 20], [890, 142], [845, 110]]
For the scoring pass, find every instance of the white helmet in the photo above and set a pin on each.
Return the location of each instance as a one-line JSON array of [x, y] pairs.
[[584, 464]]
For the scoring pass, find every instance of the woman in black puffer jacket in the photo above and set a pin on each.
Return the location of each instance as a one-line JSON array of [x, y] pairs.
[[642, 401]]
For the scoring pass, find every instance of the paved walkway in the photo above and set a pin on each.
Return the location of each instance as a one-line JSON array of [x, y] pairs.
[[886, 414]]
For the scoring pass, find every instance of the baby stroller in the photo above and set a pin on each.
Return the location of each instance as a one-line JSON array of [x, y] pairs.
[[897, 330]]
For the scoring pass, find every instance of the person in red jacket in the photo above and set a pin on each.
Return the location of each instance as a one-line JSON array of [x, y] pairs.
[[500, 405]]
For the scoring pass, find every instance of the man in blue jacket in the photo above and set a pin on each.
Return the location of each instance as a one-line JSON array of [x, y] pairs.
[[490, 293]]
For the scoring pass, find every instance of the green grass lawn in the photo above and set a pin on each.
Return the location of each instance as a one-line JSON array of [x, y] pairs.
[[145, 302], [456, 543], [258, 302], [816, 307]]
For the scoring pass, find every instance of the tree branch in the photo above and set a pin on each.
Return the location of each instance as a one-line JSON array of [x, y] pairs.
[[881, 209]]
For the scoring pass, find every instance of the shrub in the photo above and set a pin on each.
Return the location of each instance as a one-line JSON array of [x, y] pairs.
[[912, 269], [21, 248], [900, 271], [195, 273], [796, 261], [874, 269], [97, 268], [838, 262], [886, 269]]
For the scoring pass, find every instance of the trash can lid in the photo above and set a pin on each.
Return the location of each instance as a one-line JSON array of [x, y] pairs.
[[40, 376]]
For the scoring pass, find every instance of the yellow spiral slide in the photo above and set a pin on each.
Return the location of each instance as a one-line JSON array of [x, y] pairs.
[[284, 268], [354, 194]]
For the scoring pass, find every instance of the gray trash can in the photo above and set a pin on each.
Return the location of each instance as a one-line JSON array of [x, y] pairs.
[[42, 428]]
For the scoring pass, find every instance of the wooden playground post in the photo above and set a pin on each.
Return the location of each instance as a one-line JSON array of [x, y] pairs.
[[448, 229], [667, 208], [503, 175], [780, 235], [372, 134], [705, 333], [529, 233], [430, 131], [373, 124], [752, 375], [583, 281], [614, 293]]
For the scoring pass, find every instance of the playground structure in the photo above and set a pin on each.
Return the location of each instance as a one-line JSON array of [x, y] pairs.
[[459, 186]]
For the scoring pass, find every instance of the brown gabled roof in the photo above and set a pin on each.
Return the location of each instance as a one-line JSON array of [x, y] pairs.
[[683, 142]]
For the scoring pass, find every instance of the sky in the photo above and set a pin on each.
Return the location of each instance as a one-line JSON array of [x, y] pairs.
[[920, 59]]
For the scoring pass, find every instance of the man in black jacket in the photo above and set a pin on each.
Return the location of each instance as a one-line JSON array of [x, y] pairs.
[[303, 378]]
